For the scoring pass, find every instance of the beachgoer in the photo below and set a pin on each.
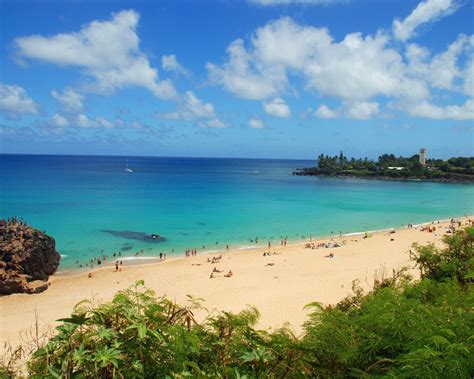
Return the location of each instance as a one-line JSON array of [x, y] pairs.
[[229, 274]]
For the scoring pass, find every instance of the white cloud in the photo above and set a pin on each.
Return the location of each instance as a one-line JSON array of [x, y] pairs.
[[107, 51], [256, 123], [278, 108], [443, 70], [296, 2], [426, 11], [468, 75], [170, 63], [241, 77], [324, 111], [190, 107], [83, 121], [354, 69], [453, 112], [214, 123], [70, 100], [14, 101], [362, 110], [359, 110], [59, 121]]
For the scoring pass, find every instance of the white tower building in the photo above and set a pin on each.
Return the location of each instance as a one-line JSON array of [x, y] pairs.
[[423, 157]]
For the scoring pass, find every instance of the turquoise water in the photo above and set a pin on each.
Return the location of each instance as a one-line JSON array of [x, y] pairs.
[[198, 202]]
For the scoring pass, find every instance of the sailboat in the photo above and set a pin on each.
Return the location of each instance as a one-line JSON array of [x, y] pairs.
[[127, 169]]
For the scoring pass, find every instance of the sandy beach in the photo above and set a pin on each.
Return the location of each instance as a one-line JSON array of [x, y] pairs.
[[279, 284]]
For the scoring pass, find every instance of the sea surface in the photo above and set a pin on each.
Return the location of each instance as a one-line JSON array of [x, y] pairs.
[[92, 207]]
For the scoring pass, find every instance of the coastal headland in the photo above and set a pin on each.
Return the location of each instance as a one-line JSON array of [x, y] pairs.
[[278, 280]]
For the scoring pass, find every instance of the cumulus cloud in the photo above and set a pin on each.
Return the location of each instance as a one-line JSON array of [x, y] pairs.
[[242, 77], [70, 100], [59, 121], [107, 51], [256, 123], [359, 110], [426, 11], [170, 63], [449, 70], [454, 112], [278, 108], [213, 123], [14, 101], [356, 68], [324, 111], [83, 121], [362, 110], [468, 74], [191, 108]]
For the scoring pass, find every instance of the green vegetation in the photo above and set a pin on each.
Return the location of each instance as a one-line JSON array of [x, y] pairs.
[[401, 329], [390, 167]]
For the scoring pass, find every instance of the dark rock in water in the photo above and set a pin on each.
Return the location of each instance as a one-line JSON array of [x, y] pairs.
[[138, 236], [126, 247], [27, 258]]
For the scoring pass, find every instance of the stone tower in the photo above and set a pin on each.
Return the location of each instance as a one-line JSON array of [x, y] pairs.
[[423, 157]]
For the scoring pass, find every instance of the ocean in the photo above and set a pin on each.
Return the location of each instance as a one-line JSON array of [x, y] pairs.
[[93, 207]]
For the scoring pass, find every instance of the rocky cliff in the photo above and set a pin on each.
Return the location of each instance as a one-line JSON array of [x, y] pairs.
[[27, 258]]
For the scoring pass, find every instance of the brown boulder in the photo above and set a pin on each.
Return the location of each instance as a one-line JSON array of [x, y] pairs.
[[27, 258]]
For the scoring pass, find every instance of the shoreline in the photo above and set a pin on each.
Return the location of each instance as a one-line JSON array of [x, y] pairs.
[[135, 261], [388, 178], [278, 284]]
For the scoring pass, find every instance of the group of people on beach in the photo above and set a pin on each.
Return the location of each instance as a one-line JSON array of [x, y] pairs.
[[214, 259], [215, 270], [228, 275], [190, 252], [325, 245]]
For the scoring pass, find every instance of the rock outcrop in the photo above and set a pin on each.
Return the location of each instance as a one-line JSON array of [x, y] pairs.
[[27, 258]]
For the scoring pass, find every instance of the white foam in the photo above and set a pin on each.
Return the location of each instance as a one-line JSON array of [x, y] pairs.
[[245, 247], [135, 258]]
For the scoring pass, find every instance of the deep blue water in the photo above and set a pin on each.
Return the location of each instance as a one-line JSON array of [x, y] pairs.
[[196, 202]]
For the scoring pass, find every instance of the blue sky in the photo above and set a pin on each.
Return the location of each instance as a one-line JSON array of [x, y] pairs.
[[262, 78]]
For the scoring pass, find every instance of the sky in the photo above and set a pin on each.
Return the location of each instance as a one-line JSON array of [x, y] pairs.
[[222, 78]]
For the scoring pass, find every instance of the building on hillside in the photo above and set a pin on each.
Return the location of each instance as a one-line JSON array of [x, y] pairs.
[[423, 157]]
